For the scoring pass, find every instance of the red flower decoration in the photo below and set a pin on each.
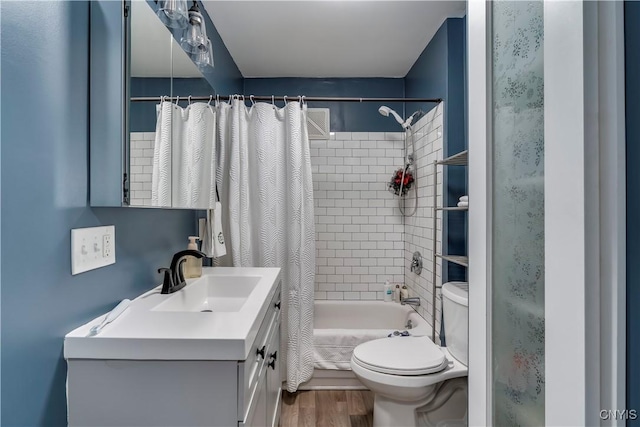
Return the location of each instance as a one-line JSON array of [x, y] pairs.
[[401, 181]]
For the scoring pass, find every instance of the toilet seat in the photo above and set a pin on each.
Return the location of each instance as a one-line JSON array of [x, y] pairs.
[[404, 356]]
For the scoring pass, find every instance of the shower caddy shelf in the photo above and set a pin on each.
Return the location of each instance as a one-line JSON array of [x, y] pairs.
[[459, 159]]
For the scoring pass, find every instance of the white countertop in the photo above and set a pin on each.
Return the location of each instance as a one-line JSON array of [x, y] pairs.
[[145, 334]]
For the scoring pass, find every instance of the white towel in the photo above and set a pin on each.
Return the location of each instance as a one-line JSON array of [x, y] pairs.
[[332, 348], [213, 242], [464, 199], [463, 204]]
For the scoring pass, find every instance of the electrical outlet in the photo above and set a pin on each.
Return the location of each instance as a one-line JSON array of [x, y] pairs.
[[106, 246], [92, 248]]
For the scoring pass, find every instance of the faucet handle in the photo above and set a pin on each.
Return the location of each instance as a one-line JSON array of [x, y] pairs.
[[167, 283]]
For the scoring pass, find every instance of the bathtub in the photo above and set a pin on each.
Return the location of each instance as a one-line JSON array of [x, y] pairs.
[[339, 326]]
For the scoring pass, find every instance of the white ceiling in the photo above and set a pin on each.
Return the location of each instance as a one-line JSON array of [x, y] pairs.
[[338, 38], [154, 51]]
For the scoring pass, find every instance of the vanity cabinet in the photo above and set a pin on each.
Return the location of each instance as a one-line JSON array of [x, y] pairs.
[[259, 376], [182, 392]]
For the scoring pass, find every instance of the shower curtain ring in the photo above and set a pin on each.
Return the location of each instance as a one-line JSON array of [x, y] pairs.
[[300, 100], [303, 101], [177, 100], [285, 100], [189, 98], [252, 100], [210, 99]]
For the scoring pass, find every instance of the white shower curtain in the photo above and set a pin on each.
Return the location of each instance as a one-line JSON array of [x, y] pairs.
[[184, 162], [264, 171]]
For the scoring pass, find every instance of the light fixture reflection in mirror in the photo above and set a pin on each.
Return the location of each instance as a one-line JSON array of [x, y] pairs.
[[173, 13], [194, 39], [204, 59]]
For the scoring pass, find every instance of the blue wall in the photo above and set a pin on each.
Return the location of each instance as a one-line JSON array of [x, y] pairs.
[[632, 63], [440, 72], [44, 195], [345, 116]]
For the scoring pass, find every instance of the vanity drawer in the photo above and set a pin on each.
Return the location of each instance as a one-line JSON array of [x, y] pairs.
[[251, 370]]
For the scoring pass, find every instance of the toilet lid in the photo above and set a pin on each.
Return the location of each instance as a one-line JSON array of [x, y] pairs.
[[401, 356]]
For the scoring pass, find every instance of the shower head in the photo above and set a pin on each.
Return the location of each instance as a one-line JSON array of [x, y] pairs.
[[384, 110]]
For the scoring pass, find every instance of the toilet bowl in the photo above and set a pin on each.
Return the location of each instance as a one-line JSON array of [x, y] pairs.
[[410, 374]]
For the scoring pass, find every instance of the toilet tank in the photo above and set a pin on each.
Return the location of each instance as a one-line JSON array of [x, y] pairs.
[[455, 310]]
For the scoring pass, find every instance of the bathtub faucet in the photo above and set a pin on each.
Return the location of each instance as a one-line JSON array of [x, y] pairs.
[[415, 301]]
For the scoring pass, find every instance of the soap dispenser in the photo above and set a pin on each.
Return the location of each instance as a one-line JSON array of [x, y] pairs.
[[192, 265]]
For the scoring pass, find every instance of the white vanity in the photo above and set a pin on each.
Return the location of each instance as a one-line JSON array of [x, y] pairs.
[[207, 355]]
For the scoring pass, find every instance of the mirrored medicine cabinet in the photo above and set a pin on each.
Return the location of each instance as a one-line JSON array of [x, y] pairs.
[[133, 55]]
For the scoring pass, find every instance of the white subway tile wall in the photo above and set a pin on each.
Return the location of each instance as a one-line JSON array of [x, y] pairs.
[[418, 229], [359, 229], [141, 167]]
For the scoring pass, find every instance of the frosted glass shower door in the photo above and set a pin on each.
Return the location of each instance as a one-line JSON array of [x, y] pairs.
[[517, 289]]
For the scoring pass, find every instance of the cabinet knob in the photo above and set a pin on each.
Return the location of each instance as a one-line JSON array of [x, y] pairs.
[[272, 364], [260, 351], [274, 355], [277, 305]]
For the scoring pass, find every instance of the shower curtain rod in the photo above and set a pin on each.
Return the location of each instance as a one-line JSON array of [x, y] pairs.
[[283, 98]]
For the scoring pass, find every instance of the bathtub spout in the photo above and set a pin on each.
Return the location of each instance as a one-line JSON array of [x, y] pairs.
[[414, 301]]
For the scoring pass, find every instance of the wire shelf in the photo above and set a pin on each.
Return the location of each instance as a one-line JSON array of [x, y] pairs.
[[453, 208], [460, 159], [456, 259]]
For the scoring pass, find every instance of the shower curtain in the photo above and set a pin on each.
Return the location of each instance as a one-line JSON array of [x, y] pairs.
[[184, 165], [264, 172]]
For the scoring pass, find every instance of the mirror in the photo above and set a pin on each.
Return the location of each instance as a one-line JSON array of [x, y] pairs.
[[159, 67]]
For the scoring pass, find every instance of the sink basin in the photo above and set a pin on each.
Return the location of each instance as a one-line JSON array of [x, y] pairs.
[[172, 327], [212, 293]]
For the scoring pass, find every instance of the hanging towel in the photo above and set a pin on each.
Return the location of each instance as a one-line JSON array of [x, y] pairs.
[[463, 204], [464, 199], [213, 242], [162, 181]]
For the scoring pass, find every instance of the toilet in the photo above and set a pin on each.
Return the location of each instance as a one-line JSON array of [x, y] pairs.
[[416, 382]]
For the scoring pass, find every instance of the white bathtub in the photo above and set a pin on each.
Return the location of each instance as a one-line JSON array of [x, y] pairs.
[[339, 326]]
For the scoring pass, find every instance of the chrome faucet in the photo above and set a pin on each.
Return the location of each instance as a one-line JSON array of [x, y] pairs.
[[174, 275], [414, 301], [416, 263]]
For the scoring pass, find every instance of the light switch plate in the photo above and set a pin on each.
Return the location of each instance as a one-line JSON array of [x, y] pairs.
[[92, 248]]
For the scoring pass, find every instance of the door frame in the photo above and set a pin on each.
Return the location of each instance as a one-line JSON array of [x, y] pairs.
[[479, 229]]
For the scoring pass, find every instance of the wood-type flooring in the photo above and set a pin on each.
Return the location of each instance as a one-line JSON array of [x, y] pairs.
[[327, 408]]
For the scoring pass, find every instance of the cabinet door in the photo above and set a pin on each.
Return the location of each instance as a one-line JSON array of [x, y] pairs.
[[257, 415], [274, 381]]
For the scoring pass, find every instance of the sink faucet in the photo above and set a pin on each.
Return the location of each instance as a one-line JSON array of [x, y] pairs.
[[415, 301], [174, 275]]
